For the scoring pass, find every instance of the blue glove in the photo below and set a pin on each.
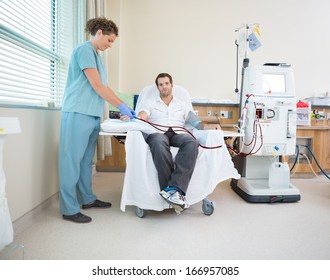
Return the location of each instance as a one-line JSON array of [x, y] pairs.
[[126, 111], [132, 112]]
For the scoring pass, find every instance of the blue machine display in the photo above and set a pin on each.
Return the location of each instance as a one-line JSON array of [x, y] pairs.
[[268, 121]]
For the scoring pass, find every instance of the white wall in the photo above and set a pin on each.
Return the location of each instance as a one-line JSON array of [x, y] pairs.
[[30, 159], [194, 41], [113, 12]]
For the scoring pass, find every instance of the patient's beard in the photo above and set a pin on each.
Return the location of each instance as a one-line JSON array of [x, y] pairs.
[[165, 94]]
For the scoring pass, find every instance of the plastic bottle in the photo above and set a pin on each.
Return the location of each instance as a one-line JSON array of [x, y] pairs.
[[279, 175]]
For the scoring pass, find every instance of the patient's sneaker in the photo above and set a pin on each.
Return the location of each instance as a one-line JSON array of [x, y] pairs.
[[178, 208], [174, 198]]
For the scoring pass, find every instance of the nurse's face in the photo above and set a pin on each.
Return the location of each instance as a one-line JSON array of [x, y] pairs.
[[105, 41]]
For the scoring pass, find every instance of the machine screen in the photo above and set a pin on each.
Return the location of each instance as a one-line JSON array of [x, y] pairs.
[[273, 83]]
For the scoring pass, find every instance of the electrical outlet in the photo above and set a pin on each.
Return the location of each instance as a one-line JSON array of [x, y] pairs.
[[209, 113], [224, 114]]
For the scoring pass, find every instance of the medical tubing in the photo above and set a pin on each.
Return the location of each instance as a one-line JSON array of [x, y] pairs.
[[254, 140], [309, 163], [296, 159], [291, 174], [256, 125], [179, 128], [325, 174]]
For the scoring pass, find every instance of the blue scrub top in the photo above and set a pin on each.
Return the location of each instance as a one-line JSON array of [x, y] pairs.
[[79, 96]]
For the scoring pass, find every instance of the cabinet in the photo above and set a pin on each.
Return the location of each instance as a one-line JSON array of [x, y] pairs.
[[317, 138], [116, 162], [224, 114]]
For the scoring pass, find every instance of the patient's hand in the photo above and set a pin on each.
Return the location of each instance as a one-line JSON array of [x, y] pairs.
[[125, 118]]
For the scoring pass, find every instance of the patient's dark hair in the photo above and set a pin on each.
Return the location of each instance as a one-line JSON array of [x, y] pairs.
[[164, 75], [106, 25]]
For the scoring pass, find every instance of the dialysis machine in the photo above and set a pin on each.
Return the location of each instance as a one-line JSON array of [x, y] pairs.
[[268, 121]]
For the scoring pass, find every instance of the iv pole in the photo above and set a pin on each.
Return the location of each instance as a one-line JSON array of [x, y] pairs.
[[245, 64]]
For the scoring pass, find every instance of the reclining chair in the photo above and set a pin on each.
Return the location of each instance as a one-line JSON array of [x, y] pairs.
[[141, 186]]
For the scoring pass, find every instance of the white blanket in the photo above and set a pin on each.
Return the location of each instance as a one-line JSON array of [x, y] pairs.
[[141, 187], [115, 125]]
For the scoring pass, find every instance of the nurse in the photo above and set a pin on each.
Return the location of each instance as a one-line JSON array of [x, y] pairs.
[[83, 103]]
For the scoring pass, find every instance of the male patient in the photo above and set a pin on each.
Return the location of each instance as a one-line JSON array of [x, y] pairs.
[[168, 110]]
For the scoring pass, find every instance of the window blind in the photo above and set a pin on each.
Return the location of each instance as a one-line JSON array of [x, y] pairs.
[[36, 39]]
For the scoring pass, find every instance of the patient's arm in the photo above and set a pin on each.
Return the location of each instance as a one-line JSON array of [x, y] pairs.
[[124, 118], [143, 115]]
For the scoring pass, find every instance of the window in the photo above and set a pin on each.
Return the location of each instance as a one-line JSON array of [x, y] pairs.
[[36, 40]]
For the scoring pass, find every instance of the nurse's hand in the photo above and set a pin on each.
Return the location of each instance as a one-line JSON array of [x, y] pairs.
[[126, 111]]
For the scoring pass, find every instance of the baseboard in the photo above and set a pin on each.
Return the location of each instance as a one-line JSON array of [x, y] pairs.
[[110, 169], [23, 222], [26, 220]]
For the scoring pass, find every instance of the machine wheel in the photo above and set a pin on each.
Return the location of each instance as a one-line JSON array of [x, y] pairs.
[[208, 207], [139, 212]]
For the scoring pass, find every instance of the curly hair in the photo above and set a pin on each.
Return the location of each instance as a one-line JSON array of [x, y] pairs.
[[106, 25]]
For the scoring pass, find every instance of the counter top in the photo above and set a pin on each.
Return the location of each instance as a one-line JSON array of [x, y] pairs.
[[320, 106], [320, 127], [215, 104], [237, 105]]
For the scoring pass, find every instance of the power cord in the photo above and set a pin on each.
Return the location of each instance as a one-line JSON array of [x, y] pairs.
[[325, 174], [297, 160]]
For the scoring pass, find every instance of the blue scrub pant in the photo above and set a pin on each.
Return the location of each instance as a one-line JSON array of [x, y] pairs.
[[78, 137]]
